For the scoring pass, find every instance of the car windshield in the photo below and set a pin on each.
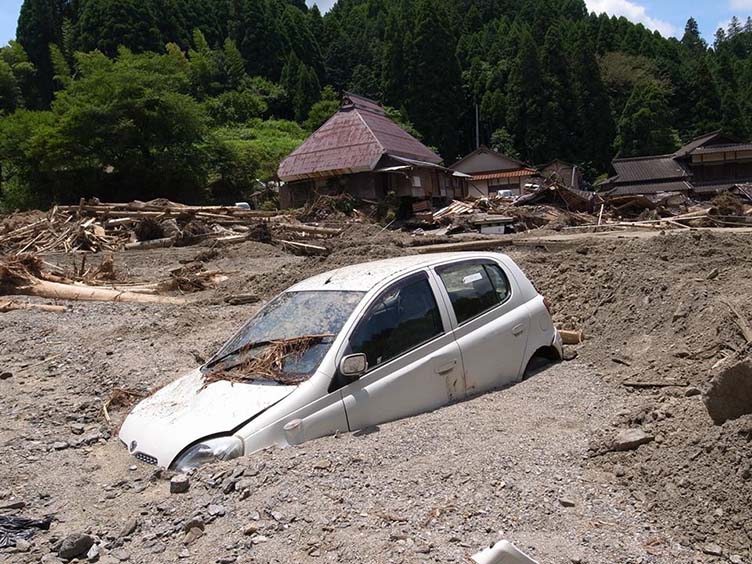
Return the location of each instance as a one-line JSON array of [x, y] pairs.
[[285, 341]]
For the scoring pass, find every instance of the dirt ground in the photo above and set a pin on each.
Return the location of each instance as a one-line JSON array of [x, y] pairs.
[[533, 463]]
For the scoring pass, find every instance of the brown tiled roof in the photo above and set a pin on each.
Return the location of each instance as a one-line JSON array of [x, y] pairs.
[[505, 174], [727, 148], [650, 188], [352, 140], [642, 169], [695, 143], [717, 187]]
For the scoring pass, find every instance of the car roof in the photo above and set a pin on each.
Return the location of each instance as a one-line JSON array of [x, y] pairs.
[[364, 276]]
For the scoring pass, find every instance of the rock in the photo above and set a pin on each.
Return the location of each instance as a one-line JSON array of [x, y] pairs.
[[566, 502], [22, 545], [120, 555], [192, 536], [77, 429], [179, 484], [129, 528], [736, 559], [50, 558], [216, 510], [94, 553], [5, 375], [729, 395], [713, 274], [226, 559], [322, 464], [91, 437], [194, 523], [629, 439], [185, 553], [60, 445], [569, 354], [691, 391], [712, 549], [619, 471], [251, 529], [74, 546]]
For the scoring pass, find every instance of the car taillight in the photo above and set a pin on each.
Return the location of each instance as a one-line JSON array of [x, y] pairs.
[[547, 304]]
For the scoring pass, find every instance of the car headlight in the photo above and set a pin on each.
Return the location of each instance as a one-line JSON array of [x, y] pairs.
[[221, 448]]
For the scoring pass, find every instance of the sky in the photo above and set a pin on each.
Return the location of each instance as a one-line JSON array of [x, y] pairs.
[[666, 16]]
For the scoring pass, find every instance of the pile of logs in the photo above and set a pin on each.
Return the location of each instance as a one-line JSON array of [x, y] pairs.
[[94, 227]]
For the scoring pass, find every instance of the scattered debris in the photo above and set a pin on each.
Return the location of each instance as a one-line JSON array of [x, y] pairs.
[[571, 337], [13, 528], [503, 552]]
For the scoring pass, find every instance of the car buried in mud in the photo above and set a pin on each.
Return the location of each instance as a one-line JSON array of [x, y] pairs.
[[348, 349]]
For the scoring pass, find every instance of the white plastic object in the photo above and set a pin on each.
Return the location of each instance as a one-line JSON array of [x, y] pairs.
[[503, 552]]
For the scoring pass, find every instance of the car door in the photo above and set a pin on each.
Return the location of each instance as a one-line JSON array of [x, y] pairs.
[[414, 362], [491, 326]]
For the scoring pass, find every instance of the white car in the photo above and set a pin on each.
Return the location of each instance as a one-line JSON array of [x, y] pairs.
[[380, 341]]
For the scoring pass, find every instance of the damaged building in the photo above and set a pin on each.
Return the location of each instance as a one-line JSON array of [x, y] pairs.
[[489, 173], [361, 151], [708, 165]]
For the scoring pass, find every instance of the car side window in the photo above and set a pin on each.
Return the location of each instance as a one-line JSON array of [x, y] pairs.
[[403, 317], [474, 287]]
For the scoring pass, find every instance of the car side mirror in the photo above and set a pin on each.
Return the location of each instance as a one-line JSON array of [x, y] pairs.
[[353, 366]]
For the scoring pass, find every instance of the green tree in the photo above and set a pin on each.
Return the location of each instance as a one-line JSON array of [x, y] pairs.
[[503, 142], [126, 128], [692, 39], [39, 25], [108, 24], [16, 77], [526, 118], [645, 125], [234, 65], [322, 110], [435, 99]]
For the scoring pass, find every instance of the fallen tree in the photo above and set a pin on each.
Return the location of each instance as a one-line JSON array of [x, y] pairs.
[[23, 275]]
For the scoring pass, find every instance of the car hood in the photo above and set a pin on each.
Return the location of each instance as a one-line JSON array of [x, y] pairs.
[[183, 412]]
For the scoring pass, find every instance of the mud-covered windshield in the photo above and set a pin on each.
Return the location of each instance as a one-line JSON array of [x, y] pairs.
[[287, 340]]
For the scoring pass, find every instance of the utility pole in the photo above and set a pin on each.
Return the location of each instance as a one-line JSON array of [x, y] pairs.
[[477, 127]]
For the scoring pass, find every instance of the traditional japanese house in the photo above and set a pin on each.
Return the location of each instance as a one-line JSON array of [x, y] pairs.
[[361, 151]]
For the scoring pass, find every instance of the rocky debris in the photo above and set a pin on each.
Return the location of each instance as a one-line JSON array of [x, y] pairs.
[[75, 545], [5, 375], [192, 535], [566, 502], [729, 394], [179, 484], [712, 549], [129, 528], [628, 439]]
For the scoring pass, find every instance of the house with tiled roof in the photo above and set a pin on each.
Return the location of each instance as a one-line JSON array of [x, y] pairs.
[[702, 168], [490, 172], [361, 151]]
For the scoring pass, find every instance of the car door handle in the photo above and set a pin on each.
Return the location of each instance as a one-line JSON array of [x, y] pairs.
[[518, 330], [446, 367]]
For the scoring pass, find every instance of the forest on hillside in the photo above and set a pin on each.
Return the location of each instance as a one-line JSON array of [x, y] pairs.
[[198, 100]]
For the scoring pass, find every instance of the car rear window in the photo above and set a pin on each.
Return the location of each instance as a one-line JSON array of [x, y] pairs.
[[474, 287]]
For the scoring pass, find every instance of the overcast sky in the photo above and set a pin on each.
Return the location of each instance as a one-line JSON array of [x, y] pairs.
[[666, 16]]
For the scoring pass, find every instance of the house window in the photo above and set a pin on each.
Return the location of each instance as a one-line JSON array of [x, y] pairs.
[[416, 181]]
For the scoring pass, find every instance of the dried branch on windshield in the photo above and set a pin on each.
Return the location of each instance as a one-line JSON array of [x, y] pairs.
[[269, 363]]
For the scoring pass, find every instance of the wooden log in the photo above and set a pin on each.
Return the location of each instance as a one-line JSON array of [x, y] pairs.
[[480, 245], [58, 291], [304, 249], [10, 306], [314, 230], [571, 337], [153, 244]]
